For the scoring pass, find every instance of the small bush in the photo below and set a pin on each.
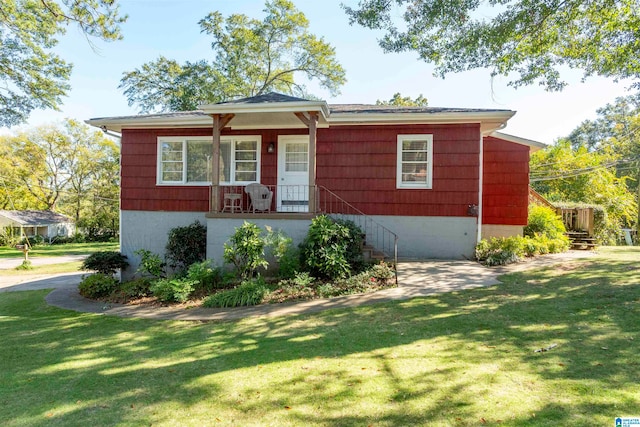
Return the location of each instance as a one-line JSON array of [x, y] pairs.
[[186, 245], [284, 252], [136, 288], [8, 237], [150, 264], [205, 275], [382, 272], [246, 250], [300, 287], [544, 220], [26, 265], [503, 251], [289, 263], [173, 290], [500, 250], [249, 292], [105, 262], [327, 290], [330, 247], [97, 285]]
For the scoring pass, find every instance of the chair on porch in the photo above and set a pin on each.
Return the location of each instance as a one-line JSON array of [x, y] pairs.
[[260, 197]]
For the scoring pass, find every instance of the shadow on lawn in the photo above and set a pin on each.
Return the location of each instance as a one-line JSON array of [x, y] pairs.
[[66, 367]]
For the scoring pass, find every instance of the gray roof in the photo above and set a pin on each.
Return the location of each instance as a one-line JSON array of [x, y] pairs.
[[265, 98], [273, 97], [168, 115], [31, 218], [395, 109]]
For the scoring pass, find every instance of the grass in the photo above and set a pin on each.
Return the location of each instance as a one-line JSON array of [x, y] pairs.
[[65, 267], [61, 250], [460, 359]]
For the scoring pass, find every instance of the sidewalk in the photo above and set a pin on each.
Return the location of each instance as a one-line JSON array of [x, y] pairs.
[[415, 279]]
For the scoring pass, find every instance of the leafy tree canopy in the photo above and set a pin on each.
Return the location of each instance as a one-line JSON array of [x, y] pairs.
[[527, 41], [31, 75], [70, 169], [250, 57], [405, 101]]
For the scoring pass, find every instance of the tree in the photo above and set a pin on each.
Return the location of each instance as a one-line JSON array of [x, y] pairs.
[[617, 129], [32, 76], [70, 169], [405, 101], [250, 57], [527, 41], [565, 174]]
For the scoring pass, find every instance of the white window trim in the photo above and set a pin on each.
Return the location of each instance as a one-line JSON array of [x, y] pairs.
[[184, 139], [415, 185]]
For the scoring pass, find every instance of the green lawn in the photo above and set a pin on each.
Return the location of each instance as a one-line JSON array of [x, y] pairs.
[[60, 250], [459, 359]]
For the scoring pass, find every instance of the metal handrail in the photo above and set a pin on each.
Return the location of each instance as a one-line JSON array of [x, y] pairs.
[[379, 236]]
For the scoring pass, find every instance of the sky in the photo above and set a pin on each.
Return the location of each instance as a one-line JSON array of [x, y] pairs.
[[170, 28]]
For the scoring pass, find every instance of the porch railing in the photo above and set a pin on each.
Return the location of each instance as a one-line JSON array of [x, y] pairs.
[[294, 199]]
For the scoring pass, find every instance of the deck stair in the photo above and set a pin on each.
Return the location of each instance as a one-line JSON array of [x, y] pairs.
[[581, 240]]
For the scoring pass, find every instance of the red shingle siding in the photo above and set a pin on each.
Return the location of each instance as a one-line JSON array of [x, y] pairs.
[[356, 162], [359, 164], [505, 186]]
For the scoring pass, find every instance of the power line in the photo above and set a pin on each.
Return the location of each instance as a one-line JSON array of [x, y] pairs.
[[581, 171]]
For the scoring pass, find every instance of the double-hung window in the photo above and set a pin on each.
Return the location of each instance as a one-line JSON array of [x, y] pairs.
[[188, 160], [415, 161]]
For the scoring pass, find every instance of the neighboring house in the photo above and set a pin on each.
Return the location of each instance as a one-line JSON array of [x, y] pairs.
[[45, 224], [438, 178]]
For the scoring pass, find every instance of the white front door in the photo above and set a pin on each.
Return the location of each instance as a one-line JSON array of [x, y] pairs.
[[293, 173]]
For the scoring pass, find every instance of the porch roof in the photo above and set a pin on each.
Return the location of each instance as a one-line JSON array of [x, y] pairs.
[[274, 110]]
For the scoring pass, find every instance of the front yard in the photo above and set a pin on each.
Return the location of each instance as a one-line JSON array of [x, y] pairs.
[[60, 250], [459, 359]]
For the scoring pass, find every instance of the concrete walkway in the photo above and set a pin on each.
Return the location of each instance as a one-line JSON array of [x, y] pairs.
[[416, 279]]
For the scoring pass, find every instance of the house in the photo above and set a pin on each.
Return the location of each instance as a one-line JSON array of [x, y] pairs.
[[423, 182], [29, 223]]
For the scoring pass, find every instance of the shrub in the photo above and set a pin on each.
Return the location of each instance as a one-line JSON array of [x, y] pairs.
[[105, 262], [284, 252], [205, 275], [33, 240], [354, 245], [500, 250], [173, 290], [136, 288], [8, 237], [327, 290], [186, 245], [246, 250], [289, 263], [544, 220], [382, 272], [150, 263], [328, 250], [26, 265], [249, 292], [97, 285]]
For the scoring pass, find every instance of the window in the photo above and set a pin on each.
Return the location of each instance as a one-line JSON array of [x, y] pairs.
[[188, 160], [415, 163], [296, 157]]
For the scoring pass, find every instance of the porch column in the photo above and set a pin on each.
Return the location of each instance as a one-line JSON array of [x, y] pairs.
[[219, 122], [312, 123]]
